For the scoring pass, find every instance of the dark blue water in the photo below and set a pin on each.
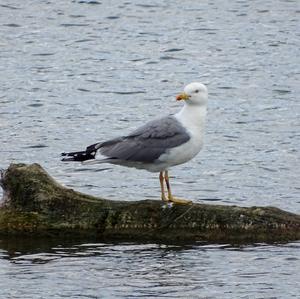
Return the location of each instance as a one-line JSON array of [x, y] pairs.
[[77, 72]]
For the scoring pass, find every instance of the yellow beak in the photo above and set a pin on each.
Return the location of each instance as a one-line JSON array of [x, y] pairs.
[[182, 96]]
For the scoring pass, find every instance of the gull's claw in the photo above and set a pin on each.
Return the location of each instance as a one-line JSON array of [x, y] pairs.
[[180, 201]]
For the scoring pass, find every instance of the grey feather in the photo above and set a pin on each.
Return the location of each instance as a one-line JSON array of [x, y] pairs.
[[147, 143]]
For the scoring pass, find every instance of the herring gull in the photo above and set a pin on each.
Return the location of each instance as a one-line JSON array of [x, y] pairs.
[[159, 144]]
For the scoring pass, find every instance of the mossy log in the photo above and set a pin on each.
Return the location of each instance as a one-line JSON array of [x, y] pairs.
[[35, 204]]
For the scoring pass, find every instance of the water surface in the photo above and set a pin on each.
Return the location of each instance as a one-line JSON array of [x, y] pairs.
[[96, 270], [77, 72]]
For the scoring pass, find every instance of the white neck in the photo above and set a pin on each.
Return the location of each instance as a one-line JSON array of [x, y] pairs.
[[192, 116]]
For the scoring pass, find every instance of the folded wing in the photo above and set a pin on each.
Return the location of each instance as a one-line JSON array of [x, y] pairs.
[[147, 143]]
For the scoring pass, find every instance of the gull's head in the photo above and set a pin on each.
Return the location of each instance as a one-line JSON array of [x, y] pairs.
[[194, 94]]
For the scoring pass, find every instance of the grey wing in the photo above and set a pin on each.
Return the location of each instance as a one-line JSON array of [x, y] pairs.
[[147, 143]]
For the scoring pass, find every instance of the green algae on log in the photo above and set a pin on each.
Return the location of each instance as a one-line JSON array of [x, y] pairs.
[[35, 204]]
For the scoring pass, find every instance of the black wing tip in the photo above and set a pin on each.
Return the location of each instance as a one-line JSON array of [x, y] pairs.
[[71, 156], [67, 159], [78, 156]]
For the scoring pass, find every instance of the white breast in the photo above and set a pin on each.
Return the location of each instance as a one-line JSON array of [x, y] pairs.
[[192, 119]]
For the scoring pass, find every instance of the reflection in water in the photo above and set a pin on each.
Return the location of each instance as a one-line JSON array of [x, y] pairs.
[[126, 270]]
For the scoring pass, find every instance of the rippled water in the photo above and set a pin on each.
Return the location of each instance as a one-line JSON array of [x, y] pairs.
[[148, 271], [77, 72]]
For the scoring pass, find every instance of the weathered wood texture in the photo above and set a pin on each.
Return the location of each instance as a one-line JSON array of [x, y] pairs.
[[35, 204]]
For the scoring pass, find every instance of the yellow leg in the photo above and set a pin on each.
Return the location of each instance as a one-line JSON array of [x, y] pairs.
[[162, 187], [171, 198]]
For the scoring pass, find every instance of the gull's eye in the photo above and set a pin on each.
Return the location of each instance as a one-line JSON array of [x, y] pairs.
[[197, 90]]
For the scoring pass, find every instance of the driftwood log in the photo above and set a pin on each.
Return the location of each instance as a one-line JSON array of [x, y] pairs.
[[34, 204]]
